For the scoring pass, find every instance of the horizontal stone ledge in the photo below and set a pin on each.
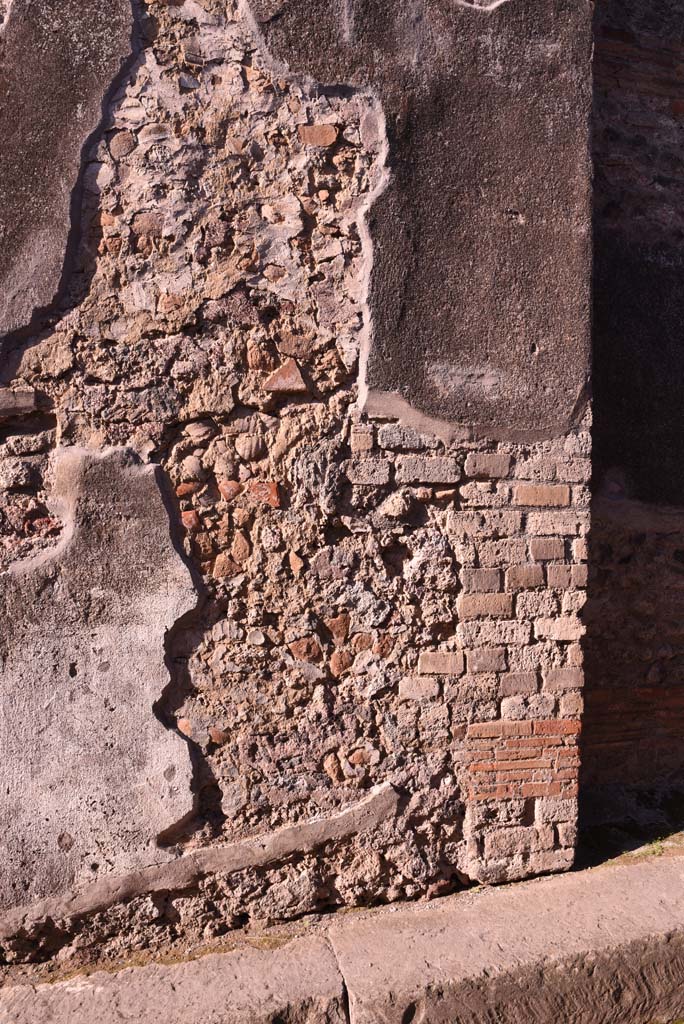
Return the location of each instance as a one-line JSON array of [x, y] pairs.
[[17, 404], [592, 948]]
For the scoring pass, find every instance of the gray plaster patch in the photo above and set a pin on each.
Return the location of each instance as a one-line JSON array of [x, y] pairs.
[[481, 237], [58, 59], [258, 851], [89, 776]]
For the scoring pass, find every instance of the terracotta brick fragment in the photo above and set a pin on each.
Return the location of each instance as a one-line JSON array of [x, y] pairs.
[[286, 380], [186, 489], [225, 566], [541, 789], [229, 489], [321, 135], [556, 727], [306, 649], [362, 642], [265, 491], [484, 464], [383, 646], [541, 494], [191, 521], [340, 662], [338, 626], [218, 736], [509, 730], [296, 563]]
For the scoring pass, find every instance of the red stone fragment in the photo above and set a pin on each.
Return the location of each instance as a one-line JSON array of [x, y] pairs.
[[266, 491], [184, 490], [191, 521], [306, 649], [230, 489]]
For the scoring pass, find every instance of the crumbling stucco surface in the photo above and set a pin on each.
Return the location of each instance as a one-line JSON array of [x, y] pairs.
[[385, 609], [475, 320], [91, 778], [58, 59]]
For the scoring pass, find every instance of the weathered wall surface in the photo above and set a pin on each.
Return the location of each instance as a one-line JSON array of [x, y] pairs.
[[488, 188], [59, 58], [383, 681]]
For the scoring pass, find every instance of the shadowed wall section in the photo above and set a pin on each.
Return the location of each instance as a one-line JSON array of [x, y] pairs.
[[633, 736]]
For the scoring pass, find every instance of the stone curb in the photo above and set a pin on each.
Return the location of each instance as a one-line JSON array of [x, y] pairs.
[[599, 947]]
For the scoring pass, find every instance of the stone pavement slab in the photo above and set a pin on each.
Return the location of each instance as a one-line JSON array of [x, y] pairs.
[[604, 946]]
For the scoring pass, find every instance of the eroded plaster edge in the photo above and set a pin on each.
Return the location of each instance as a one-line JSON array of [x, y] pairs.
[[473, 5], [188, 869], [18, 335], [390, 405], [5, 16], [382, 171]]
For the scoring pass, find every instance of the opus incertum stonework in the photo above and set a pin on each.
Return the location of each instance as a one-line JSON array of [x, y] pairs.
[[294, 457]]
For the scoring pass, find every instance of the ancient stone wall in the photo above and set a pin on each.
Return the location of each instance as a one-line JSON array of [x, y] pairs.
[[377, 684]]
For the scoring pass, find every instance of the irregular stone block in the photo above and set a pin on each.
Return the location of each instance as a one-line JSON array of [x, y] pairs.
[[90, 777], [417, 469]]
